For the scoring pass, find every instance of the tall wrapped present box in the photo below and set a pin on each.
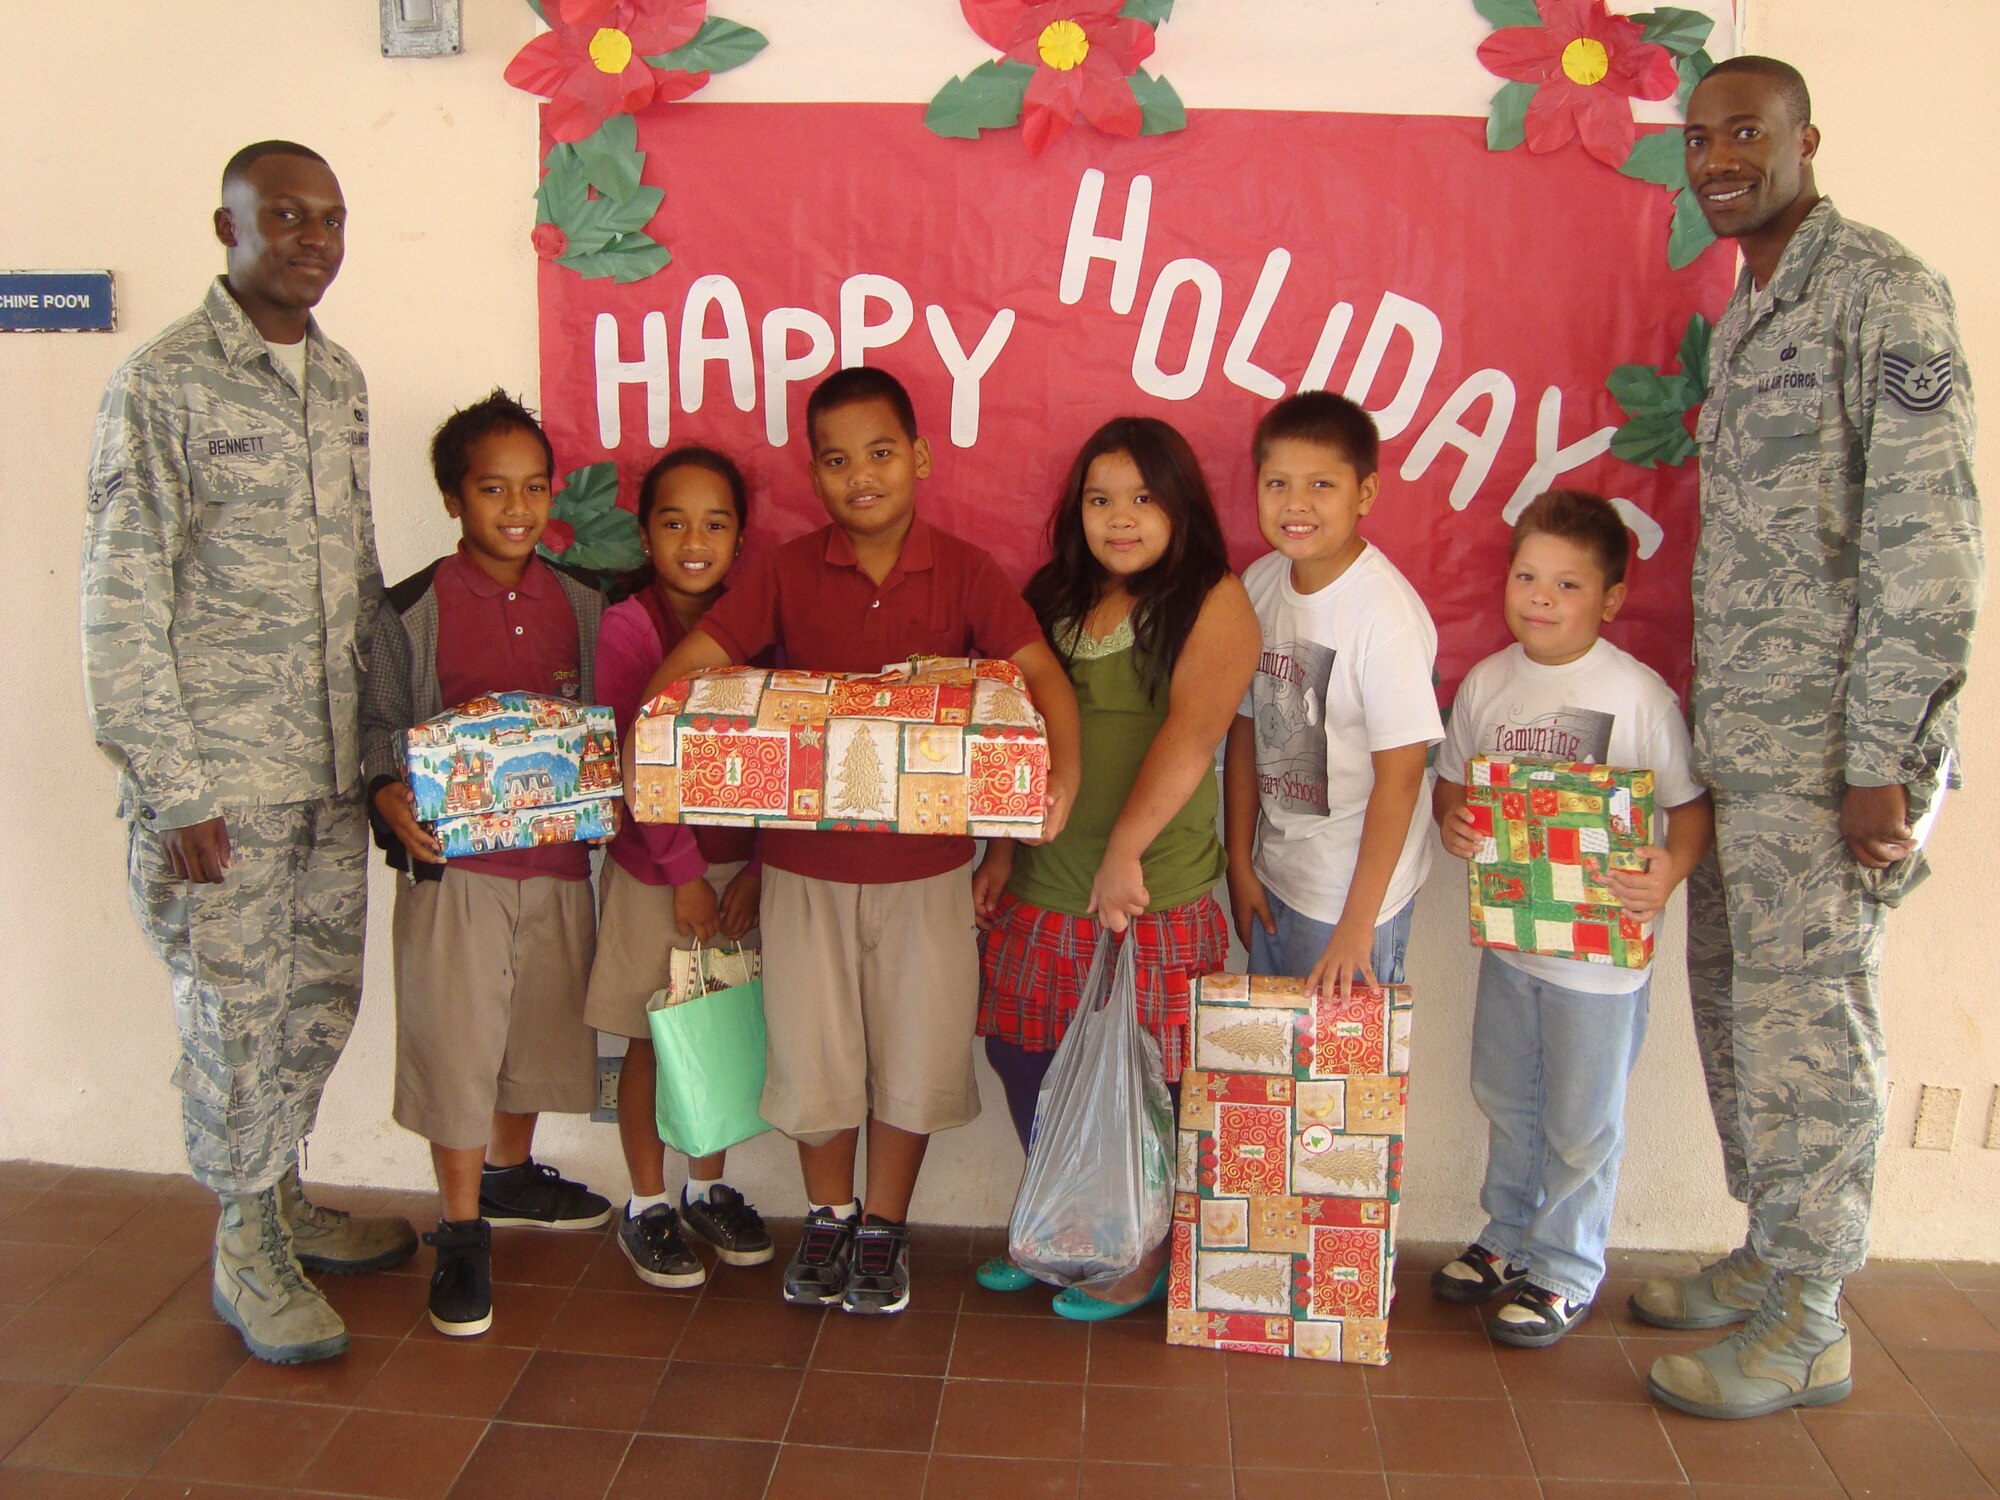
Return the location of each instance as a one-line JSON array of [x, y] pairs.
[[940, 745], [513, 770], [1290, 1170], [1549, 830]]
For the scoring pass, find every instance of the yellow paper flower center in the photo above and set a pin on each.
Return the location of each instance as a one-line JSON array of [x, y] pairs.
[[1063, 45], [611, 50], [1585, 61]]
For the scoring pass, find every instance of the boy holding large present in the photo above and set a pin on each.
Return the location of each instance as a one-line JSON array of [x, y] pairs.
[[1553, 1039], [871, 967]]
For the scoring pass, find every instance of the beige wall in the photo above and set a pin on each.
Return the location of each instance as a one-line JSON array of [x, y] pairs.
[[113, 130]]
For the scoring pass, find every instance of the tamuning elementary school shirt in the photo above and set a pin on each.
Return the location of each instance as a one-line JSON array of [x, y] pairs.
[[1345, 672], [1606, 707]]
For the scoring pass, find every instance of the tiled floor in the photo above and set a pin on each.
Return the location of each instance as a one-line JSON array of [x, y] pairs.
[[116, 1380]]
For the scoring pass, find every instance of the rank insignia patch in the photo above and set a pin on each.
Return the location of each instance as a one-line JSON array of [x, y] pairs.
[[1917, 384]]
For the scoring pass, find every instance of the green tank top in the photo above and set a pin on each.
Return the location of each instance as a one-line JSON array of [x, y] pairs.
[[1120, 717]]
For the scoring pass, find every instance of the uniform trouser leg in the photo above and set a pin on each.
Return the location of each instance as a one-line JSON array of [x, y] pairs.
[[266, 974], [1785, 955]]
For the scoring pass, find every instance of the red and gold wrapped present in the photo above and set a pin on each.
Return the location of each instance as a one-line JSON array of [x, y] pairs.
[[941, 745], [1548, 832], [1290, 1170]]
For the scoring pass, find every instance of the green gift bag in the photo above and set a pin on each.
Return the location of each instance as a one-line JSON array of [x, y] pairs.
[[708, 1039]]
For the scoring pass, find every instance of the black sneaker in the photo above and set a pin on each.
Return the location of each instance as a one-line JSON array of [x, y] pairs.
[[817, 1274], [1535, 1317], [462, 1285], [1475, 1277], [730, 1225], [878, 1278], [534, 1194], [653, 1243]]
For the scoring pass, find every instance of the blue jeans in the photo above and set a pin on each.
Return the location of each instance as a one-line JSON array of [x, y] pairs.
[[1549, 1066], [1299, 941]]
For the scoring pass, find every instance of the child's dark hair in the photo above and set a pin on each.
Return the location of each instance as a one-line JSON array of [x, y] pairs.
[[1327, 420], [852, 386], [451, 445], [693, 456], [1590, 521], [1167, 596]]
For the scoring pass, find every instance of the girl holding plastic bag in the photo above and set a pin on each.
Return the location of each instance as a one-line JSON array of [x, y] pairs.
[[1160, 642]]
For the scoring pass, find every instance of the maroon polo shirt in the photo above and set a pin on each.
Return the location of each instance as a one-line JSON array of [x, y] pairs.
[[811, 599], [496, 639]]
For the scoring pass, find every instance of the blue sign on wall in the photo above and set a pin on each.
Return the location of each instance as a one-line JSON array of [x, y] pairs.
[[56, 302]]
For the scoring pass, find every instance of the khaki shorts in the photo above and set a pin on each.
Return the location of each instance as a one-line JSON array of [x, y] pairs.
[[635, 935], [870, 994], [490, 975]]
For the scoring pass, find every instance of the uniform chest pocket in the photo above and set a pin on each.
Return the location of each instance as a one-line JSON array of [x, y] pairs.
[[243, 481]]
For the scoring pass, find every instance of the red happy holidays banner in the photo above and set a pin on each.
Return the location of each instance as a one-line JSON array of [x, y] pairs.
[[1474, 300]]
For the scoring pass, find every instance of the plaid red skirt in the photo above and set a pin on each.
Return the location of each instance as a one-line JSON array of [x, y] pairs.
[[1034, 963]]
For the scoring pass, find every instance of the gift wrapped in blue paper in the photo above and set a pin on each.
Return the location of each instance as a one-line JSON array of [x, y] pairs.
[[513, 770]]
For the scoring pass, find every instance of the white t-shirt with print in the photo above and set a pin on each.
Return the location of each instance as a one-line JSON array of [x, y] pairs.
[[1606, 707], [1344, 672]]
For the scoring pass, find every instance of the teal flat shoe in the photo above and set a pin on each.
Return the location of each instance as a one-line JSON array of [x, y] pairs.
[[1002, 1275], [1075, 1303]]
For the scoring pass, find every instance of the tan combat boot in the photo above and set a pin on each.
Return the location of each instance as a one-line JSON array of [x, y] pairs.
[[328, 1239], [259, 1290], [1722, 1292], [1794, 1351]]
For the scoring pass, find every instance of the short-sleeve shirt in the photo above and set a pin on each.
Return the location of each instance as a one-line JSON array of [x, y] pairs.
[[811, 599], [1345, 671], [496, 639], [1606, 707]]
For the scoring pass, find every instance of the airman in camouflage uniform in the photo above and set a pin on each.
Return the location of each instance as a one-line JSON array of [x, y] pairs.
[[1835, 585], [229, 585]]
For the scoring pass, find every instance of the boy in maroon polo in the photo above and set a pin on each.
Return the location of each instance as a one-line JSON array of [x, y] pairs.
[[492, 955], [871, 966]]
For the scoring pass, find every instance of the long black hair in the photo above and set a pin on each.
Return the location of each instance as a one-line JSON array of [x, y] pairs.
[[1168, 596]]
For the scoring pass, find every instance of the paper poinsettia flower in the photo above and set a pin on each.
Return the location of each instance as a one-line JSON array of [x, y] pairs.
[[1061, 59], [1585, 66], [601, 58]]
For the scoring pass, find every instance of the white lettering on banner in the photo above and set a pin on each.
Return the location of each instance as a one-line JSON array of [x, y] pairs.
[[857, 334], [1146, 371], [783, 369], [1551, 458], [967, 370], [1480, 448], [1236, 364], [732, 346], [649, 370], [1646, 532], [1123, 251], [1331, 337], [1426, 344]]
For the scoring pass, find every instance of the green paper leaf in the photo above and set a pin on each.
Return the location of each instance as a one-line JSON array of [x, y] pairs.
[[719, 46], [1694, 354], [1659, 157], [1641, 389], [589, 229], [626, 258], [611, 158], [987, 98], [1681, 32], [1653, 439], [1507, 124], [1690, 234], [1509, 12], [564, 189], [633, 211], [1154, 12], [1160, 108], [1692, 69], [607, 536]]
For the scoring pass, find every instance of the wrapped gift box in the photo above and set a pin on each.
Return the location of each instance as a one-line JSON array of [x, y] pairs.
[[513, 770], [1290, 1170], [941, 746], [1549, 830]]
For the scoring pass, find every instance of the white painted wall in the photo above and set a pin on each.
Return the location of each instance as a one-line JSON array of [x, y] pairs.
[[115, 126]]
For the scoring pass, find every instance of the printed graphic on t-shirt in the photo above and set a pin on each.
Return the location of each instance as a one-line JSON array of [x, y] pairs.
[[568, 683], [1560, 734], [1289, 697]]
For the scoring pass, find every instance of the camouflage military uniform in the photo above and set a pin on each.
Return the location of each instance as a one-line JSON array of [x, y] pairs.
[[1835, 586], [229, 586]]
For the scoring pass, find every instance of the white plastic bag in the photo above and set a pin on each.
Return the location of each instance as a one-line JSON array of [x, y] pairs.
[[1097, 1194]]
